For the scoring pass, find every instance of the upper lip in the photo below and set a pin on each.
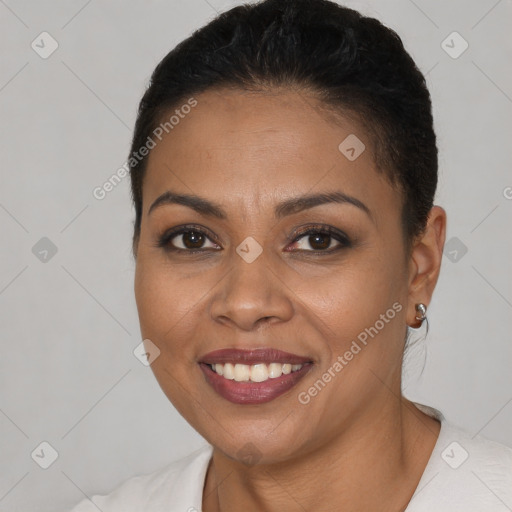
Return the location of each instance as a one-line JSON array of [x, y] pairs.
[[255, 356]]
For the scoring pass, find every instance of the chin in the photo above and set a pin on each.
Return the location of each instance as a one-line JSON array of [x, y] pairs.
[[264, 442]]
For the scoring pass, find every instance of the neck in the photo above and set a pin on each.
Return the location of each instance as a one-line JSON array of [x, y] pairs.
[[375, 464]]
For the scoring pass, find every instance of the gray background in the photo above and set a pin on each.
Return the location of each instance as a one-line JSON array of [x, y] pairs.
[[69, 325]]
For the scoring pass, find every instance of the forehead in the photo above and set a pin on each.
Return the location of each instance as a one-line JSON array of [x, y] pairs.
[[256, 147]]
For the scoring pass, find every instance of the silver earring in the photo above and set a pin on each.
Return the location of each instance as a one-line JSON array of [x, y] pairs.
[[421, 312]]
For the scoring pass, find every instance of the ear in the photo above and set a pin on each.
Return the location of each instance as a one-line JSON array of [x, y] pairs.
[[425, 263]]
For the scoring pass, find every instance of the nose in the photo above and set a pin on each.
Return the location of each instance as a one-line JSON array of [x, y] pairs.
[[251, 295]]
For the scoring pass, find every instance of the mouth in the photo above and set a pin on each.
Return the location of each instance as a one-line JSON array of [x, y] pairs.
[[253, 376]]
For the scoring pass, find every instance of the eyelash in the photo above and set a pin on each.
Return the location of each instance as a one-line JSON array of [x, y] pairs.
[[321, 229], [164, 241]]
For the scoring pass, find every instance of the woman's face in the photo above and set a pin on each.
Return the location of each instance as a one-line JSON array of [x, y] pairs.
[[335, 299]]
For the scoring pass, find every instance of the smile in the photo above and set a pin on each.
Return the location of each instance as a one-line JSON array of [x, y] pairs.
[[254, 373], [253, 376]]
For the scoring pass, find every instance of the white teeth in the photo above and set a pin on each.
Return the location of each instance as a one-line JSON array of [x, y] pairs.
[[259, 372], [242, 372], [275, 370], [226, 370], [254, 373]]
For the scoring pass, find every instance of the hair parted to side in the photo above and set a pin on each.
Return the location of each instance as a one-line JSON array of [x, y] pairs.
[[352, 63]]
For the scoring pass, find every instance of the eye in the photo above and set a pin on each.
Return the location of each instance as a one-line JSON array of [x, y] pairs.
[[186, 239], [321, 239]]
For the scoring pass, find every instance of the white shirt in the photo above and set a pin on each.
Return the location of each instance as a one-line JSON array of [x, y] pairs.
[[464, 473]]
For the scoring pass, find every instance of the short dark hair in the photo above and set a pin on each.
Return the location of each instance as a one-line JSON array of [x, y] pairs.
[[352, 63]]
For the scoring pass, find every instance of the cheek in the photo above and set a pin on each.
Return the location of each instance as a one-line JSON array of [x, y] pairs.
[[168, 317], [166, 305], [352, 296], [360, 312]]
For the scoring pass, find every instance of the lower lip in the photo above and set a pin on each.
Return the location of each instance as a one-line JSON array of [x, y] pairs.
[[248, 393]]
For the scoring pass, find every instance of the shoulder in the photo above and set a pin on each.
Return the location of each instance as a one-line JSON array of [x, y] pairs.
[[476, 454], [465, 472], [178, 484]]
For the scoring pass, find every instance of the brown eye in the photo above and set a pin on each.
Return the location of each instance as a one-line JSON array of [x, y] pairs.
[[192, 239], [186, 240], [321, 239], [315, 242]]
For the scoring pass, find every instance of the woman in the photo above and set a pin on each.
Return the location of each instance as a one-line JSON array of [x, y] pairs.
[[284, 167]]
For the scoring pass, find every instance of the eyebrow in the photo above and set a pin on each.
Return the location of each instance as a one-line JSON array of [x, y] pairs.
[[288, 207]]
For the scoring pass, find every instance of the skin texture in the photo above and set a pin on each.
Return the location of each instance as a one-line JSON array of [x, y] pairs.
[[248, 152]]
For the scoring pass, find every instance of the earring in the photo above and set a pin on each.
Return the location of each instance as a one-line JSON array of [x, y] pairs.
[[421, 312]]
